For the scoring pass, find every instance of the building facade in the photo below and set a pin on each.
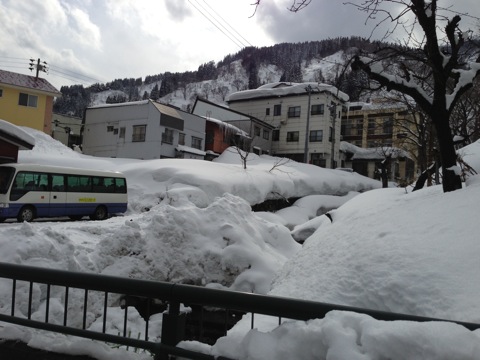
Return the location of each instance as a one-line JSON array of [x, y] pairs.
[[254, 136], [376, 129], [67, 129], [143, 130], [27, 100], [305, 117]]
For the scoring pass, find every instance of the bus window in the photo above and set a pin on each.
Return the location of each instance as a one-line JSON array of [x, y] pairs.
[[78, 183], [109, 185], [120, 185], [58, 183], [28, 181]]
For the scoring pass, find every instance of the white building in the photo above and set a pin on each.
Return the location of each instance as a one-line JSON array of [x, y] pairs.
[[143, 130], [306, 118]]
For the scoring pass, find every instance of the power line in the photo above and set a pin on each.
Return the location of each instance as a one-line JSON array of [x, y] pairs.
[[22, 63], [75, 74], [235, 41], [230, 26]]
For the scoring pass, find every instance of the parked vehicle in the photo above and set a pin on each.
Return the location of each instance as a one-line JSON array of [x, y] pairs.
[[29, 191]]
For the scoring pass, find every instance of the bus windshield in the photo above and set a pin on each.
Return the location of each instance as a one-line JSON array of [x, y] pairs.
[[6, 174]]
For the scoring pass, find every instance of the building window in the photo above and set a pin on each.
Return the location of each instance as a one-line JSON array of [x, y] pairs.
[[316, 136], [277, 110], [138, 134], [122, 133], [256, 131], [266, 134], [267, 111], [317, 159], [330, 136], [276, 135], [388, 126], [292, 136], [27, 100], [196, 143], [294, 111], [181, 138], [371, 126], [352, 127], [167, 136], [109, 128], [317, 109]]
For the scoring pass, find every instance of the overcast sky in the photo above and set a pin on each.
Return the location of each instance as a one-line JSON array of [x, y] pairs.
[[88, 41]]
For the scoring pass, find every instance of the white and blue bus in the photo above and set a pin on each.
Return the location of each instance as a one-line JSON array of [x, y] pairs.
[[29, 191]]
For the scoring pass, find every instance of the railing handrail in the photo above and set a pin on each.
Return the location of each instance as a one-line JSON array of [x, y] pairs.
[[175, 294], [190, 294]]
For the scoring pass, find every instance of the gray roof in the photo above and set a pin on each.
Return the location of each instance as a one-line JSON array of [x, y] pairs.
[[28, 82]]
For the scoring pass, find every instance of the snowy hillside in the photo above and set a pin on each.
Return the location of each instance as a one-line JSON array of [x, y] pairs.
[[234, 78]]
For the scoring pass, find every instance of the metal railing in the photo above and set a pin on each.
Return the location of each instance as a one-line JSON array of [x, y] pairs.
[[173, 324]]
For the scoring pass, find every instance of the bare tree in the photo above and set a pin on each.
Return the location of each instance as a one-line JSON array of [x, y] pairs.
[[223, 91], [444, 74]]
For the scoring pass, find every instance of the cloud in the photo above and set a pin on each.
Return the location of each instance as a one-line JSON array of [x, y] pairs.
[[178, 9], [86, 32]]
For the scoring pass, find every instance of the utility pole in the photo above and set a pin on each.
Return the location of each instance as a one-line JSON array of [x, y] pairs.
[[333, 115], [305, 151], [39, 67]]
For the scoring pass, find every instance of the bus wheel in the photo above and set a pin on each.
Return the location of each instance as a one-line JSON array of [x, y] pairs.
[[2, 219], [100, 213], [27, 213]]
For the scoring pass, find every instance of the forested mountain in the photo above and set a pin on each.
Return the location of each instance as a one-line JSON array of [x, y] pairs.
[[321, 61]]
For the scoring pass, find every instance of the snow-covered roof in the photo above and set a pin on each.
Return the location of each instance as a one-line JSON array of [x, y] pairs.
[[227, 126], [188, 149], [15, 132], [281, 89], [130, 103], [375, 105], [372, 153], [28, 82]]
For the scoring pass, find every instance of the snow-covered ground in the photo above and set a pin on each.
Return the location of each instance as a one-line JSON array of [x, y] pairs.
[[191, 221]]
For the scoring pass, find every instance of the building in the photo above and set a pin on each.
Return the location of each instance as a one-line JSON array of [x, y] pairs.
[[12, 139], [143, 130], [255, 135], [67, 129], [305, 117], [219, 136], [27, 100], [395, 163], [375, 129]]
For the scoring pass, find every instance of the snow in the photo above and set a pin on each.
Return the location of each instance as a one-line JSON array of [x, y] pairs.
[[285, 88], [372, 153], [191, 221], [17, 132]]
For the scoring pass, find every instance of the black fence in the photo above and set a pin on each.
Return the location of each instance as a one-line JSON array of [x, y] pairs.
[[150, 297]]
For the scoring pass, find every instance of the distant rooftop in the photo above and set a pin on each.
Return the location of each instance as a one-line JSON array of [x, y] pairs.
[[27, 82], [280, 89]]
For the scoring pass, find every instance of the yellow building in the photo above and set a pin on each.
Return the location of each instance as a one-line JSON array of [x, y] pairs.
[[27, 100]]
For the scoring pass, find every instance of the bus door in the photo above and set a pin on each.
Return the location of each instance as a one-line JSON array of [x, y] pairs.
[[58, 195]]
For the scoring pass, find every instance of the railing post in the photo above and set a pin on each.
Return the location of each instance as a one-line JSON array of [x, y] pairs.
[[173, 328]]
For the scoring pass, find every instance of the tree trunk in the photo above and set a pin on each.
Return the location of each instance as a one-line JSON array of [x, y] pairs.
[[448, 156]]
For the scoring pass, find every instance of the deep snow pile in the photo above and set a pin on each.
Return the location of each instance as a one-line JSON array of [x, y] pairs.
[[385, 249]]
